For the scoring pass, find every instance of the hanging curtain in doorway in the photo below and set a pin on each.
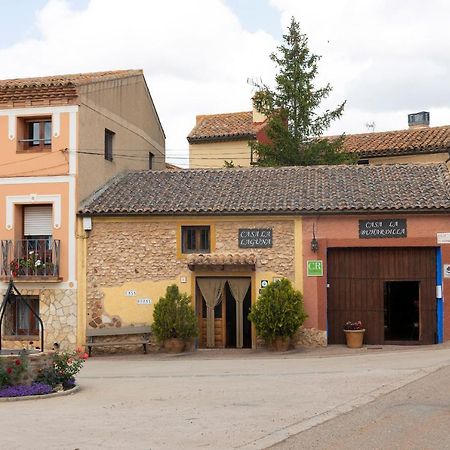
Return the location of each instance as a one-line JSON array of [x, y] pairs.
[[239, 288], [211, 289]]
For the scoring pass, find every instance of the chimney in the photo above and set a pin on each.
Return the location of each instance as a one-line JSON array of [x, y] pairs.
[[419, 120], [257, 116]]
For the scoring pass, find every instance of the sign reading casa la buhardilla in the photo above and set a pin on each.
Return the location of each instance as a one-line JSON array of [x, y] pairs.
[[385, 228], [255, 237]]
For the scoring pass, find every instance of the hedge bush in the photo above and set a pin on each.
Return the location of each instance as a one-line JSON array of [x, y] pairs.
[[174, 317], [279, 311]]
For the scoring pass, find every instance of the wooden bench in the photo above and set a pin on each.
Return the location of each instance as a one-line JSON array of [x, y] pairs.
[[142, 332]]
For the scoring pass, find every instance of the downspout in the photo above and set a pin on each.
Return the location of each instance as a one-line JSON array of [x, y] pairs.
[[439, 298]]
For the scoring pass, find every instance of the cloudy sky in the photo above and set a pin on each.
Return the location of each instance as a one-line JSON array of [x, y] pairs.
[[385, 58]]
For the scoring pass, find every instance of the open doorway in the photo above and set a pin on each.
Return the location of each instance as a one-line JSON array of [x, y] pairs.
[[401, 310], [225, 315]]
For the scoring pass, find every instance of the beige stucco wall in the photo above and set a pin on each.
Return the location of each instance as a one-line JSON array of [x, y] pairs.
[[214, 154], [124, 107], [429, 158]]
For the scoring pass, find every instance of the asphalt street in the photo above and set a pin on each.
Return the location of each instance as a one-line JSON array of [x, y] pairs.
[[416, 416], [245, 400]]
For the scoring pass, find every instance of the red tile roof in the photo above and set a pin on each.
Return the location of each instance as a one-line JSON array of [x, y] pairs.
[[240, 125], [224, 127], [56, 86], [401, 142]]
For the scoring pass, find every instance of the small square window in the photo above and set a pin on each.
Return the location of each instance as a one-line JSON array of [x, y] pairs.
[[195, 239], [36, 134], [109, 138]]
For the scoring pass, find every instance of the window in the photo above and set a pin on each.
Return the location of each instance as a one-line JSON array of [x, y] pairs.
[[109, 137], [36, 134], [37, 221], [151, 157], [21, 321], [195, 239]]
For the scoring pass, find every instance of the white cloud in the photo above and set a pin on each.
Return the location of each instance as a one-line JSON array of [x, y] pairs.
[[195, 54], [387, 58]]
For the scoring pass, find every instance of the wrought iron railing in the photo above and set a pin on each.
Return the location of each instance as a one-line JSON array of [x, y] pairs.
[[30, 258]]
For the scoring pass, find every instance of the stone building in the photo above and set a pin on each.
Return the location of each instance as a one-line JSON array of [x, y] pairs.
[[361, 242]]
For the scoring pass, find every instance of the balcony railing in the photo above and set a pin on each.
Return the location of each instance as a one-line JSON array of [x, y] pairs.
[[30, 259]]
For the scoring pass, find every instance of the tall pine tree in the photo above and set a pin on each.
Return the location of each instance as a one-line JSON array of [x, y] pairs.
[[294, 126]]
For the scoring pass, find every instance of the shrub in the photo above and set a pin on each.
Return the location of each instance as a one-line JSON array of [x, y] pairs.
[[11, 373], [63, 369], [279, 311], [174, 317]]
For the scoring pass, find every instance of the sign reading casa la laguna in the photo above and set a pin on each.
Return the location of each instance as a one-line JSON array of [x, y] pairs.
[[255, 237]]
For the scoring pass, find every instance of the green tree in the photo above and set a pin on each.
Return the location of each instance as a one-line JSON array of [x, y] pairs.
[[295, 125]]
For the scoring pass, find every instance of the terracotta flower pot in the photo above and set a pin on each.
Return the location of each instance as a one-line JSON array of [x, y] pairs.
[[174, 345], [280, 344], [354, 338]]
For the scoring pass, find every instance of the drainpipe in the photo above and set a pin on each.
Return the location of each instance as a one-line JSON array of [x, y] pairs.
[[439, 297]]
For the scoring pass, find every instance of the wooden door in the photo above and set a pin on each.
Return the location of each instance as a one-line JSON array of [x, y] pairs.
[[356, 279]]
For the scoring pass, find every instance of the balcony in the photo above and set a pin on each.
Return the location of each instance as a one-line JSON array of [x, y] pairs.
[[30, 260]]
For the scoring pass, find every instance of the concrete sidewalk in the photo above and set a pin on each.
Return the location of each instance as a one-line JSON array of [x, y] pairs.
[[195, 401]]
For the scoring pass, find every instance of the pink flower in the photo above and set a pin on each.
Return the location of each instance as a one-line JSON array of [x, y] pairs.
[[85, 356], [70, 361]]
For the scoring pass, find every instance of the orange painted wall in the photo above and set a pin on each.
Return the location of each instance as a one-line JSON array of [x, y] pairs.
[[33, 163], [342, 231], [40, 189]]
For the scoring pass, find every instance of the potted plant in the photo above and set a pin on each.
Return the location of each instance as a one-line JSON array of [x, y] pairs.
[[174, 320], [278, 314], [354, 334]]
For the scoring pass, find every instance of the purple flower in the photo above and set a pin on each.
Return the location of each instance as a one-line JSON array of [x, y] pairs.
[[21, 391]]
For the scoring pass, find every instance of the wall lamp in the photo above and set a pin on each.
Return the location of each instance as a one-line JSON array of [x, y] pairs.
[[314, 242]]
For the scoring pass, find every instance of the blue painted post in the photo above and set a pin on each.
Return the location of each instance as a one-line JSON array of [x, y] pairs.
[[439, 297]]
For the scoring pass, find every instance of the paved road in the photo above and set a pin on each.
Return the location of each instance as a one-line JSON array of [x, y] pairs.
[[416, 416], [147, 402]]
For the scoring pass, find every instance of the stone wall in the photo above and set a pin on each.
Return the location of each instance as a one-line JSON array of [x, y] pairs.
[[58, 311], [124, 252], [120, 252], [36, 363], [279, 259], [305, 337]]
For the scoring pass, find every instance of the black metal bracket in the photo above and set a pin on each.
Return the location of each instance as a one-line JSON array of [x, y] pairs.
[[12, 295]]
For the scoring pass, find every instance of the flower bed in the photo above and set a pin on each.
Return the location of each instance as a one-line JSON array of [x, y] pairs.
[[22, 391], [39, 374]]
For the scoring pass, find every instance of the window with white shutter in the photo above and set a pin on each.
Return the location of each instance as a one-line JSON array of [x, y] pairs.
[[38, 220]]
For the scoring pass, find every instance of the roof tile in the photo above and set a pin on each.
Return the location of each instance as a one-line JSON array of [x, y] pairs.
[[229, 126], [399, 187], [56, 86]]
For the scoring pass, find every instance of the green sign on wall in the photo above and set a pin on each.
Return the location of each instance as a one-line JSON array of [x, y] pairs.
[[314, 268]]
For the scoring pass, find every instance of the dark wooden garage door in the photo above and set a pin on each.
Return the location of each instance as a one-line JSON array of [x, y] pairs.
[[357, 277]]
